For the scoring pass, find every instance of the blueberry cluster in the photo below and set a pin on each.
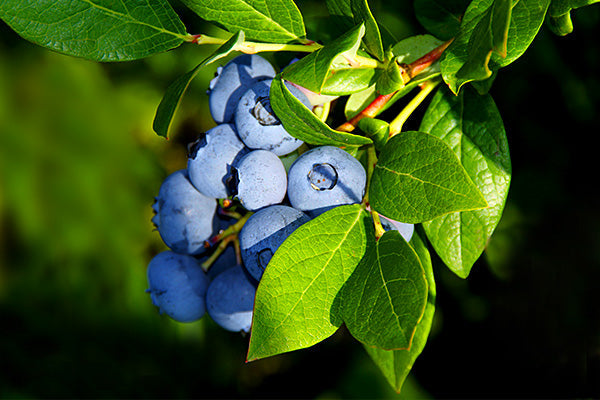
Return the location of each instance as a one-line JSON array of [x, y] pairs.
[[237, 190]]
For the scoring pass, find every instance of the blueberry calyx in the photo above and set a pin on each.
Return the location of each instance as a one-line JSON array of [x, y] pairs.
[[263, 112], [232, 182], [196, 145], [323, 176]]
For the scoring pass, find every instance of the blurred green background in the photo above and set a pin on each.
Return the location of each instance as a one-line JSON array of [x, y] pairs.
[[80, 165]]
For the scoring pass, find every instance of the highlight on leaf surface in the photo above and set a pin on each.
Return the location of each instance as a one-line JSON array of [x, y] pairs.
[[86, 28]]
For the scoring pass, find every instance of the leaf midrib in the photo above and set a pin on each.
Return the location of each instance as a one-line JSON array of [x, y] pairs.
[[128, 18]]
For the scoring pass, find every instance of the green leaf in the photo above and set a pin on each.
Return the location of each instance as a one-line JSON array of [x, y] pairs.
[[312, 71], [484, 86], [342, 82], [301, 123], [396, 364], [526, 20], [441, 17], [390, 79], [471, 125], [266, 21], [358, 12], [559, 14], [170, 101], [484, 30], [418, 178], [297, 302], [100, 30], [405, 51], [378, 130], [384, 299]]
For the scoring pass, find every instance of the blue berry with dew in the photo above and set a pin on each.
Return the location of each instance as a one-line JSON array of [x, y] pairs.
[[257, 124], [325, 177]]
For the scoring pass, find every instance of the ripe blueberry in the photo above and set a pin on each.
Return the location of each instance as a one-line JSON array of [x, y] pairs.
[[264, 232], [325, 177], [184, 217], [211, 157], [257, 125], [232, 81], [177, 286], [259, 180], [230, 300]]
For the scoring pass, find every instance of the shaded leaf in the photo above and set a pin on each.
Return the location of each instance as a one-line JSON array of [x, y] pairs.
[[100, 30], [297, 303], [358, 12], [396, 364], [170, 101], [418, 178], [484, 30], [559, 14], [471, 125], [441, 17], [267, 21], [301, 123], [385, 297], [526, 20]]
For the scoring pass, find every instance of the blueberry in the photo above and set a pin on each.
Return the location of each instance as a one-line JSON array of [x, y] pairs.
[[211, 157], [405, 230], [185, 218], [232, 81], [257, 125], [264, 232], [259, 180], [325, 177], [177, 286], [230, 300]]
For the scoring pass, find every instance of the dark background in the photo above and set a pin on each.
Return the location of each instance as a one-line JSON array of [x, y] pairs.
[[79, 166]]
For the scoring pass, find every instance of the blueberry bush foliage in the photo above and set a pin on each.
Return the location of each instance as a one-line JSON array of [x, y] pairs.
[[451, 177]]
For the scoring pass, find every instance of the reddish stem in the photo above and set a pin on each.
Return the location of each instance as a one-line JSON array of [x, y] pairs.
[[369, 111], [409, 70], [417, 66]]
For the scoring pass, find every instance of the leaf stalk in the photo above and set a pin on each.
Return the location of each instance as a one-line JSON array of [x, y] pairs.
[[256, 47], [398, 122]]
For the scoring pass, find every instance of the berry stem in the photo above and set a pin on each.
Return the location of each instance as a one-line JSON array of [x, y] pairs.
[[371, 161], [230, 231], [398, 122], [218, 251], [379, 231]]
